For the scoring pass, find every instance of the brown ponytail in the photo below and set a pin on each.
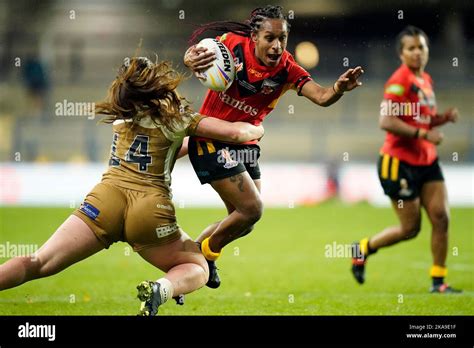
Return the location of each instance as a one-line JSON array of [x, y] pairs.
[[143, 88]]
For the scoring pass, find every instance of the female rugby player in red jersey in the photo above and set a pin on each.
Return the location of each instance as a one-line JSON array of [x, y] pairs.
[[133, 203], [265, 71], [408, 167]]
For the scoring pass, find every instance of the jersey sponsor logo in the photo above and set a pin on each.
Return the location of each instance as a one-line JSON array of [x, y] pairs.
[[395, 89], [238, 104], [255, 73], [166, 230], [163, 206], [89, 210], [223, 37]]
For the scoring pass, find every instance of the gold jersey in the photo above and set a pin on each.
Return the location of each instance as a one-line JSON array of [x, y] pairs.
[[143, 154]]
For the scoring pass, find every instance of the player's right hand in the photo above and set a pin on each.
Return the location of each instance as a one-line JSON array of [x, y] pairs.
[[198, 58], [434, 136]]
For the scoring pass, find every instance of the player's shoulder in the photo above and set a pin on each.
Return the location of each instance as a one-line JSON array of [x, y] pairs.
[[402, 76], [231, 39], [288, 58], [428, 77], [399, 82]]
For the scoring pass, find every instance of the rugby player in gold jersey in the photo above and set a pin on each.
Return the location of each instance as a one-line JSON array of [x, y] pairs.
[[133, 202]]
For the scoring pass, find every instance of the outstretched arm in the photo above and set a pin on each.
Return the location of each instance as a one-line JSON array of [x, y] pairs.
[[325, 96], [233, 132]]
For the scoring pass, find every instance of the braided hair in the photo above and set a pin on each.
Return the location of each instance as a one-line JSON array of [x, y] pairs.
[[253, 24]]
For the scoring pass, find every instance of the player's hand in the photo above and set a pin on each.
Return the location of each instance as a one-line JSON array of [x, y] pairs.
[[434, 136], [198, 58], [451, 115], [348, 80]]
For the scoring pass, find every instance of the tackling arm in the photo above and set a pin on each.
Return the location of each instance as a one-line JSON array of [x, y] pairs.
[[234, 132]]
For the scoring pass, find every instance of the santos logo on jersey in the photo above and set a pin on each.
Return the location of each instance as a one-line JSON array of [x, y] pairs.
[[238, 104]]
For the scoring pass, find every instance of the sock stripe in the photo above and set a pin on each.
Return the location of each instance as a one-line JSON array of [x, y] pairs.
[[207, 252], [438, 271]]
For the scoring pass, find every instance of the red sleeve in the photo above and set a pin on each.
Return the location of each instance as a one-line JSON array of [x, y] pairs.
[[397, 88], [228, 39], [297, 76]]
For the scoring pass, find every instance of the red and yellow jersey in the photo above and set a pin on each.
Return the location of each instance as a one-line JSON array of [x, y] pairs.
[[410, 98], [256, 88], [143, 154]]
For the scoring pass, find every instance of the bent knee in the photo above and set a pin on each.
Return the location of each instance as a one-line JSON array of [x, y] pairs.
[[411, 231], [252, 211], [247, 231]]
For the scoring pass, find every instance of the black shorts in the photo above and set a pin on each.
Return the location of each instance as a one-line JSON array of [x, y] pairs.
[[401, 180], [213, 160]]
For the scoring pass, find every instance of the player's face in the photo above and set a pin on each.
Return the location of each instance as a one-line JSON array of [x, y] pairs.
[[270, 41], [414, 51]]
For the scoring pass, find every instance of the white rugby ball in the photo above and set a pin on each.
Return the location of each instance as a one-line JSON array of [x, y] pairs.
[[221, 74]]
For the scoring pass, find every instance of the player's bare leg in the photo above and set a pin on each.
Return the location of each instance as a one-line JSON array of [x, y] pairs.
[[214, 280], [209, 230], [240, 191], [408, 212], [73, 241], [186, 271], [434, 198], [242, 216]]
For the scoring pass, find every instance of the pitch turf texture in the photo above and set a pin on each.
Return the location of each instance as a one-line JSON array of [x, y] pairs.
[[279, 269]]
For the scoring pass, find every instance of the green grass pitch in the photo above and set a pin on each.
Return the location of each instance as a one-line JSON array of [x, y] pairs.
[[279, 269]]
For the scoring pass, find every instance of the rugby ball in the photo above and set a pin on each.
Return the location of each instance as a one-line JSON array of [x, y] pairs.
[[221, 74]]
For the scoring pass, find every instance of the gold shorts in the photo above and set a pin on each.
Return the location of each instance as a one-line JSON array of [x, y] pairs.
[[141, 218]]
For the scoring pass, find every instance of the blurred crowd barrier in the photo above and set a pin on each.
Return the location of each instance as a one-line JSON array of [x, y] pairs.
[[285, 185]]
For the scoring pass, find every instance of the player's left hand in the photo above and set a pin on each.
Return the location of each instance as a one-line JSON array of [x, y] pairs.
[[451, 115], [348, 80]]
